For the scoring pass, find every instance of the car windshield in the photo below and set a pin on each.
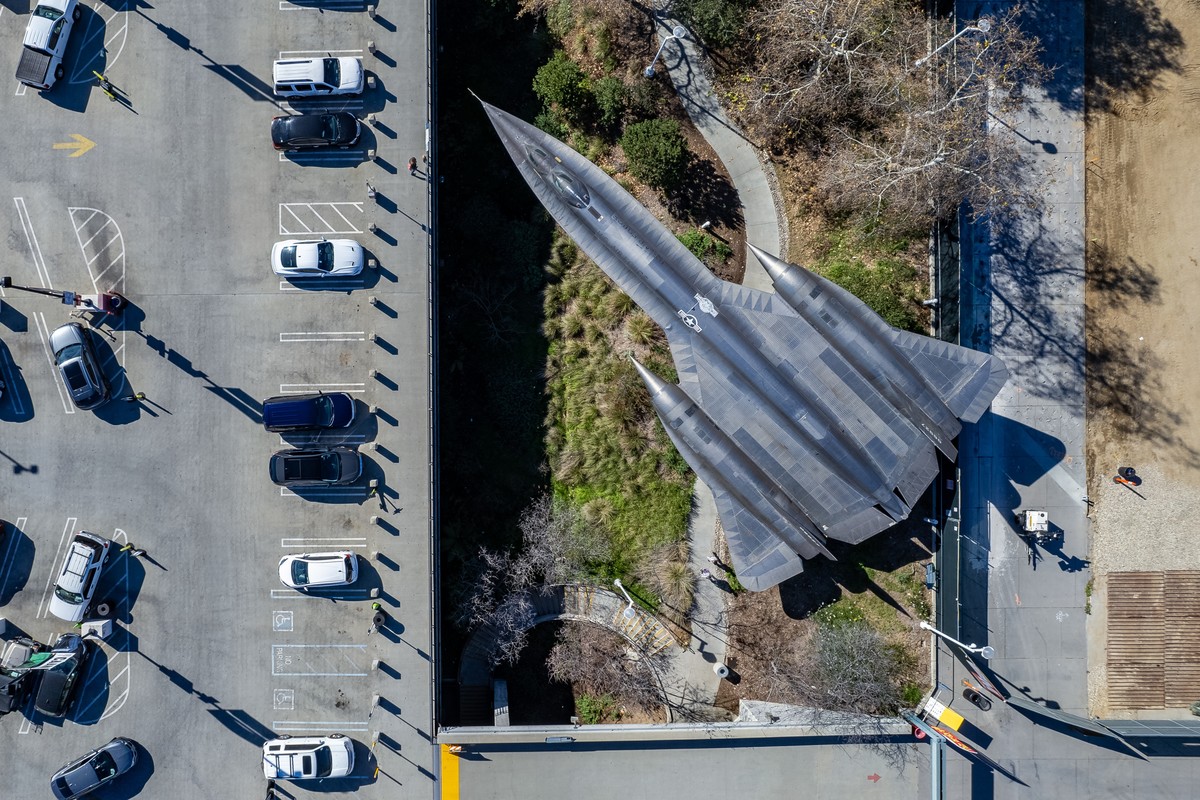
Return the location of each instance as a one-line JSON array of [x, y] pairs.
[[47, 12], [333, 72], [331, 130], [324, 761], [300, 572], [331, 466], [69, 352], [287, 257], [64, 788], [325, 256], [104, 766], [324, 411], [67, 597]]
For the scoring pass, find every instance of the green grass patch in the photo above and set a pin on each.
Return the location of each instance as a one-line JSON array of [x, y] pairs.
[[877, 270], [595, 710], [607, 453]]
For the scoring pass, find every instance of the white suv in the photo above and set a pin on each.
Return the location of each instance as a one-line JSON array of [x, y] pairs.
[[80, 574], [317, 77], [308, 757]]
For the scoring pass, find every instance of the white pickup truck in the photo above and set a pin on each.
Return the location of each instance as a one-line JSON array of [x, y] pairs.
[[46, 39]]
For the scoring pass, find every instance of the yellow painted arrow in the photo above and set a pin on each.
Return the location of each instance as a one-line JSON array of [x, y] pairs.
[[81, 145]]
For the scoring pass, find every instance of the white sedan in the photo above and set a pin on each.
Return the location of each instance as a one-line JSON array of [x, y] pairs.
[[317, 258], [316, 570]]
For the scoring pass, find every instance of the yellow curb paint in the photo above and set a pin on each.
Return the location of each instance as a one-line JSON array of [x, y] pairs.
[[449, 774]]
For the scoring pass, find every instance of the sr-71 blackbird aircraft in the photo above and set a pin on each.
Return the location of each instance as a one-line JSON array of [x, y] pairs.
[[808, 416]]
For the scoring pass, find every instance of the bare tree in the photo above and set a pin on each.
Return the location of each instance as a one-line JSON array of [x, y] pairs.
[[558, 546], [598, 662], [902, 128]]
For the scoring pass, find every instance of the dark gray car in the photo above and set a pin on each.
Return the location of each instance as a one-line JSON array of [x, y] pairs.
[[58, 681], [76, 361], [316, 467], [95, 769]]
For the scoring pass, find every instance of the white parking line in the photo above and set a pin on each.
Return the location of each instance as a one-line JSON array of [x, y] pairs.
[[332, 725], [340, 594], [314, 53], [39, 263], [348, 156], [68, 528], [334, 284], [310, 388], [39, 320], [300, 439], [324, 491], [323, 541], [322, 336], [354, 105], [330, 4]]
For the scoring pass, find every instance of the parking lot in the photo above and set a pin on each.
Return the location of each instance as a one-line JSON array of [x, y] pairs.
[[172, 195]]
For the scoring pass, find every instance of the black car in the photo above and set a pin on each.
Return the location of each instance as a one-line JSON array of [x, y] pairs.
[[306, 131], [17, 679], [88, 773], [316, 467], [298, 412], [58, 681]]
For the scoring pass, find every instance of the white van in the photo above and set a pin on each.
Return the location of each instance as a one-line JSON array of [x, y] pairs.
[[316, 77]]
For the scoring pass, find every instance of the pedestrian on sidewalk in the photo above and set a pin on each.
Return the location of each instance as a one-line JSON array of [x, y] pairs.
[[706, 574], [412, 166]]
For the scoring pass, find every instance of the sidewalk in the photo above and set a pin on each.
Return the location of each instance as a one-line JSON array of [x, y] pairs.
[[693, 678]]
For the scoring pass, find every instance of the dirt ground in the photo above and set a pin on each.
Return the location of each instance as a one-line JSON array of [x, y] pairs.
[[1143, 294]]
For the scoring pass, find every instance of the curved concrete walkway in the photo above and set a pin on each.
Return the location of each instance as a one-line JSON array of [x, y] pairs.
[[684, 61]]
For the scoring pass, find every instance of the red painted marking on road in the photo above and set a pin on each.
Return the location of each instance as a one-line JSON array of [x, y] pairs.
[[874, 778]]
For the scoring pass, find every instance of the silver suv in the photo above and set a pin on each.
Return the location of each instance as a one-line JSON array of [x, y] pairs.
[[80, 574], [76, 361]]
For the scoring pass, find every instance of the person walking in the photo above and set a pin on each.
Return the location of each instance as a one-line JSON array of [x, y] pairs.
[[412, 166]]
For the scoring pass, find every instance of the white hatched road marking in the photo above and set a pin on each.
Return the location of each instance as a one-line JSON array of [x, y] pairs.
[[105, 54], [304, 219], [39, 320], [39, 263], [320, 660], [322, 336], [103, 252]]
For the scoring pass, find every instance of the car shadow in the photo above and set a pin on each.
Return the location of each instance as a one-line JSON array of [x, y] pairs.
[[120, 584], [85, 53], [17, 404], [17, 550], [91, 695]]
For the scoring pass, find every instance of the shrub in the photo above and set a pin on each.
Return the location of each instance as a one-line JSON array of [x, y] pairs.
[[562, 86], [551, 124], [610, 100], [717, 22], [657, 152], [706, 247]]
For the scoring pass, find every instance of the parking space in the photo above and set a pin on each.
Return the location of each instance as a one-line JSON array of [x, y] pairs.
[[173, 196]]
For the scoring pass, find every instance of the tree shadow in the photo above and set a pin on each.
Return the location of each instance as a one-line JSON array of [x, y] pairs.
[[823, 581], [1129, 47]]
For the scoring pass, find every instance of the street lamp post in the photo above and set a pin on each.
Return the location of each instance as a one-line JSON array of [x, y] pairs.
[[628, 613], [987, 651], [983, 25], [6, 283], [678, 32]]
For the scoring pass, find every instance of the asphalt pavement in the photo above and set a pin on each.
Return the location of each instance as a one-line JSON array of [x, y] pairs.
[[173, 196]]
